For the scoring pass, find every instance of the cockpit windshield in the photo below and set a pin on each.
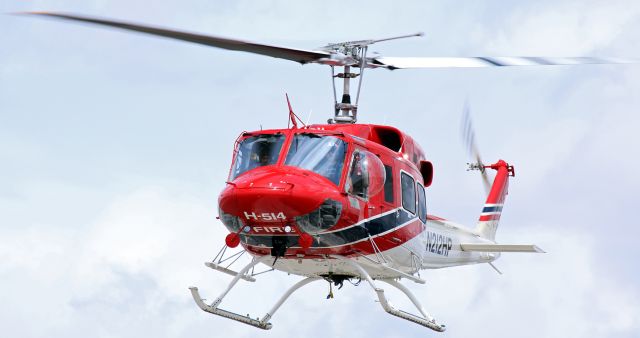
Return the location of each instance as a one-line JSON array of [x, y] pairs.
[[321, 154], [257, 151]]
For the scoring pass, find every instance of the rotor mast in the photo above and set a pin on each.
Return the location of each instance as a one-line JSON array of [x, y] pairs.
[[348, 55]]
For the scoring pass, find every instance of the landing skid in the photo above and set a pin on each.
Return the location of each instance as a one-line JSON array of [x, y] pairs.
[[263, 323], [259, 323], [426, 320]]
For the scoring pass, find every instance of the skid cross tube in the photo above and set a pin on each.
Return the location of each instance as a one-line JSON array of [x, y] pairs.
[[259, 323], [286, 295], [426, 321]]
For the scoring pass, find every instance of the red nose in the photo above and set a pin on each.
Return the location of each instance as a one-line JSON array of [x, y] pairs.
[[275, 194]]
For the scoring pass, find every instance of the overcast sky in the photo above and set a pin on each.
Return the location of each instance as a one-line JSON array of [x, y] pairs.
[[114, 147]]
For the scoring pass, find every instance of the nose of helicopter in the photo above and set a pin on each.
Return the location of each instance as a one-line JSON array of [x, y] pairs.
[[274, 195]]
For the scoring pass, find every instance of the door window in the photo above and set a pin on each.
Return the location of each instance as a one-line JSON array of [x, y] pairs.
[[408, 192], [422, 204]]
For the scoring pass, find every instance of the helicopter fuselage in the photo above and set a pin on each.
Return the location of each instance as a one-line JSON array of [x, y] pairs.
[[352, 190]]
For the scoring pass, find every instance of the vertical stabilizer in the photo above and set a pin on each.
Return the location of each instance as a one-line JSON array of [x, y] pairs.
[[490, 216]]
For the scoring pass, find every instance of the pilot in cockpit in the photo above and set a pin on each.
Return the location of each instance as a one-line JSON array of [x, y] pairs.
[[357, 176], [260, 154]]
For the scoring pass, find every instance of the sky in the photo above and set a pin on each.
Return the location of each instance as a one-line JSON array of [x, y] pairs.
[[114, 147]]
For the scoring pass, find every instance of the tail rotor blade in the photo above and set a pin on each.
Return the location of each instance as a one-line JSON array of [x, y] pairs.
[[469, 139]]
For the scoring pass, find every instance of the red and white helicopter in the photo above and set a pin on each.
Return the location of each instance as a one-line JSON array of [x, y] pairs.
[[342, 200]]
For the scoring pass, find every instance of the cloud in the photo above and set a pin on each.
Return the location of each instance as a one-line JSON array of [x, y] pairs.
[[563, 28], [563, 293], [139, 256]]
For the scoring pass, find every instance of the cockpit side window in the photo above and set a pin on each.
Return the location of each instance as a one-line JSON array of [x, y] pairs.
[[388, 184], [366, 176], [257, 151], [358, 180]]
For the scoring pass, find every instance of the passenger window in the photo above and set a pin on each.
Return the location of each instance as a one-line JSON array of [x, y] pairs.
[[408, 192], [422, 204], [388, 184]]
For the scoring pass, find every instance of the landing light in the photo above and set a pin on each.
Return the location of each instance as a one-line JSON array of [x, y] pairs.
[[326, 216], [233, 223]]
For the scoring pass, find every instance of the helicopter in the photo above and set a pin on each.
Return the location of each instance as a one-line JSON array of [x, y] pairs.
[[345, 201]]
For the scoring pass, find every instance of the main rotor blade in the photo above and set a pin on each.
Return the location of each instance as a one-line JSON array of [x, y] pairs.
[[298, 55], [500, 61]]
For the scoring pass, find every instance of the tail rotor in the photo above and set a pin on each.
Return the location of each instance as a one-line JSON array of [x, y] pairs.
[[469, 139]]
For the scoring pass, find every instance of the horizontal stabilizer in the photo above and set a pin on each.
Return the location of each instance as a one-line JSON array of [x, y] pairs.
[[501, 248]]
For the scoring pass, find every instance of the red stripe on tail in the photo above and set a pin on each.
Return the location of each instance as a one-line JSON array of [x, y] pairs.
[[488, 221], [500, 183]]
